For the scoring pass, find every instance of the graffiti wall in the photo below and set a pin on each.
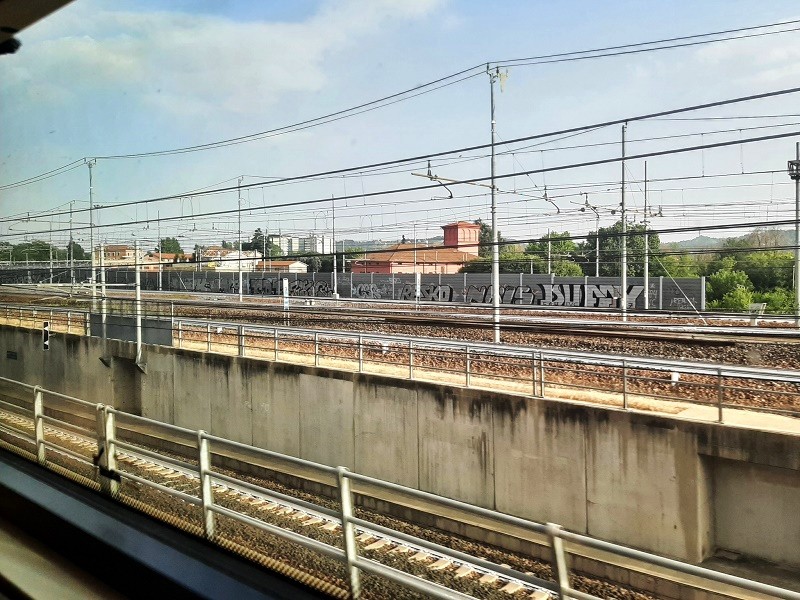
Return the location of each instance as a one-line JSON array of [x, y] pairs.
[[472, 288]]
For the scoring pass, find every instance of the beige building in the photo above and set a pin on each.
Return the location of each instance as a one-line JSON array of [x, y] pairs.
[[230, 260], [282, 266], [118, 255]]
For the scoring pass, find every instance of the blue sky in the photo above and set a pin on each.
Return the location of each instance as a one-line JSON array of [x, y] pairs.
[[104, 78]]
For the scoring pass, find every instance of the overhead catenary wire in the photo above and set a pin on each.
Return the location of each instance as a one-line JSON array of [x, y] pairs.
[[417, 158], [460, 182], [468, 73], [640, 50]]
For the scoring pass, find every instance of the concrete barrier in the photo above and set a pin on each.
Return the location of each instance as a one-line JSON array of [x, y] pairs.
[[673, 487]]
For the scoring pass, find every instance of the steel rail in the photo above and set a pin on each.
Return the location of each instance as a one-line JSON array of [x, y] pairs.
[[553, 532], [573, 356]]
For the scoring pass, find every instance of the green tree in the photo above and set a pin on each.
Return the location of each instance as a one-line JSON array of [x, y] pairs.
[[34, 251], [169, 245], [779, 301], [78, 253], [672, 265], [513, 262], [724, 282], [485, 239], [313, 260], [610, 239], [738, 299], [767, 270], [227, 245], [510, 262], [567, 268], [560, 246]]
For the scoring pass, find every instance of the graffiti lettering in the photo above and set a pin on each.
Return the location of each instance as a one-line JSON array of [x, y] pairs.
[[309, 287], [475, 294], [429, 292], [370, 290], [434, 287]]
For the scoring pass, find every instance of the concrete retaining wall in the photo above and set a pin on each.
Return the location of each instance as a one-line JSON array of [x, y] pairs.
[[671, 487]]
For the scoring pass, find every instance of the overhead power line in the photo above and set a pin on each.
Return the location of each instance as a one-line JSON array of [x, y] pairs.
[[462, 75], [555, 59], [365, 195], [473, 148]]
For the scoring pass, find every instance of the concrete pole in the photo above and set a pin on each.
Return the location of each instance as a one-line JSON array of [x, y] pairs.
[[796, 177], [51, 252], [549, 255], [90, 164], [160, 250], [646, 246], [103, 299], [71, 251], [138, 291], [333, 235], [495, 247], [597, 244], [240, 238], [624, 258]]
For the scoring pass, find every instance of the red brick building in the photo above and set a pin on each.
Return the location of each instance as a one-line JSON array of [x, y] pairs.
[[461, 239]]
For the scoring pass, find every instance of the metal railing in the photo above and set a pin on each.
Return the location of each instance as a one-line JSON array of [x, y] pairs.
[[105, 437], [624, 381], [627, 382]]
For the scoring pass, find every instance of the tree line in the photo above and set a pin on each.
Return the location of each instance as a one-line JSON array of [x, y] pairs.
[[756, 267]]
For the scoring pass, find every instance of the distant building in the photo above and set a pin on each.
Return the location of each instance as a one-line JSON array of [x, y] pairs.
[[282, 266], [212, 252], [115, 255], [152, 260], [231, 259], [312, 243], [286, 243], [462, 237]]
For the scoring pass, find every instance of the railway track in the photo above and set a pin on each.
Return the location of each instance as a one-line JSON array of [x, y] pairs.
[[465, 574], [624, 381], [672, 328]]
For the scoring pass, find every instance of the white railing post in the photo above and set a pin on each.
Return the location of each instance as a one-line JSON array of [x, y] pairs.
[[180, 334], [38, 424], [316, 346], [87, 323], [275, 336], [208, 337], [360, 354], [349, 533], [720, 393], [559, 560], [105, 459], [69, 321], [240, 336], [467, 366], [624, 384], [541, 374], [533, 371], [410, 359], [206, 491]]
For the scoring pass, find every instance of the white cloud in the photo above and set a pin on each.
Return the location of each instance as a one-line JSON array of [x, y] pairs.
[[195, 65], [772, 60]]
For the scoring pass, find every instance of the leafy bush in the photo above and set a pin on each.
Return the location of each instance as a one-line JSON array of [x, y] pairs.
[[724, 282]]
